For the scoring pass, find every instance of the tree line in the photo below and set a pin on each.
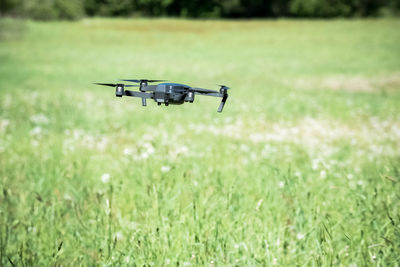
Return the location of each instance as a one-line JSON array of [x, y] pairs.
[[75, 9]]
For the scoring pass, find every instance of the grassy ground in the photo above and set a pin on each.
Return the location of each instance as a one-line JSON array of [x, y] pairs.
[[302, 167]]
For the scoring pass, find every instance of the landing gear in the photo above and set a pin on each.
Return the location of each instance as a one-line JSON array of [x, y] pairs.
[[166, 104], [159, 103]]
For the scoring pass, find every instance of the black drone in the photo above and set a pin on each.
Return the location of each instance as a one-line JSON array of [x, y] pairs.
[[167, 93]]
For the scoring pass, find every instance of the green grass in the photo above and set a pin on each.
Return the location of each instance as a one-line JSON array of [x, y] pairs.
[[301, 168]]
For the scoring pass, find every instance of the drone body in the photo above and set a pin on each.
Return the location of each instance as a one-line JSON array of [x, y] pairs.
[[167, 93]]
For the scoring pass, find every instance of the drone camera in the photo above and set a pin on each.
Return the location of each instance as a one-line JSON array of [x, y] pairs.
[[119, 90]]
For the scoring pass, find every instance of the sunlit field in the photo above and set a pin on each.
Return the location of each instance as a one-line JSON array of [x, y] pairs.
[[301, 168]]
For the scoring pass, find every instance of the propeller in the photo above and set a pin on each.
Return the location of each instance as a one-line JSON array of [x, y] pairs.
[[107, 84], [144, 80], [224, 87], [114, 85]]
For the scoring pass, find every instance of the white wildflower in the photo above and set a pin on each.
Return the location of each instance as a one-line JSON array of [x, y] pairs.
[[244, 148], [150, 150], [144, 155], [274, 261], [39, 119], [36, 131], [165, 168], [186, 263], [127, 151], [195, 183], [35, 143], [100, 145], [281, 184], [147, 137], [349, 176], [32, 229], [167, 261], [77, 133], [315, 164], [107, 208], [105, 178], [322, 174], [259, 203], [300, 236], [118, 236], [182, 150], [148, 147], [3, 125]]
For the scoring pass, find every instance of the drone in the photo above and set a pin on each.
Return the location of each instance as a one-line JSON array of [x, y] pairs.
[[166, 93]]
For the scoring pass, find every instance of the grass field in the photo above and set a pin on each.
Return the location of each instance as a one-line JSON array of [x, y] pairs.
[[301, 168]]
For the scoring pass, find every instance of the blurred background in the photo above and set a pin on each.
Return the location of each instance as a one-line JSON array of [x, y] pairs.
[[301, 168], [75, 9]]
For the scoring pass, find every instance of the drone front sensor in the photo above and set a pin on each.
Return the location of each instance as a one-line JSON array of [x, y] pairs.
[[167, 93]]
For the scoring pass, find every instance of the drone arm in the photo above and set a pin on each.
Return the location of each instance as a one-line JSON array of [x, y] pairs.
[[139, 94], [223, 101], [209, 94]]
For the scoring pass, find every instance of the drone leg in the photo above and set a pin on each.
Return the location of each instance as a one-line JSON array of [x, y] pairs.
[[143, 101], [221, 106], [159, 103]]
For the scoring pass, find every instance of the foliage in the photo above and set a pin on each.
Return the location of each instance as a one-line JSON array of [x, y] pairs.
[[63, 9], [69, 9], [44, 9], [301, 169], [320, 8]]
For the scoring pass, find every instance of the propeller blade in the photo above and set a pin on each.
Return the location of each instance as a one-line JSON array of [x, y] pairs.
[[155, 81], [144, 80], [106, 84], [135, 81], [114, 85]]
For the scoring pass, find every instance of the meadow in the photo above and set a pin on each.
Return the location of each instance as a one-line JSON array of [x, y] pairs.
[[301, 168]]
